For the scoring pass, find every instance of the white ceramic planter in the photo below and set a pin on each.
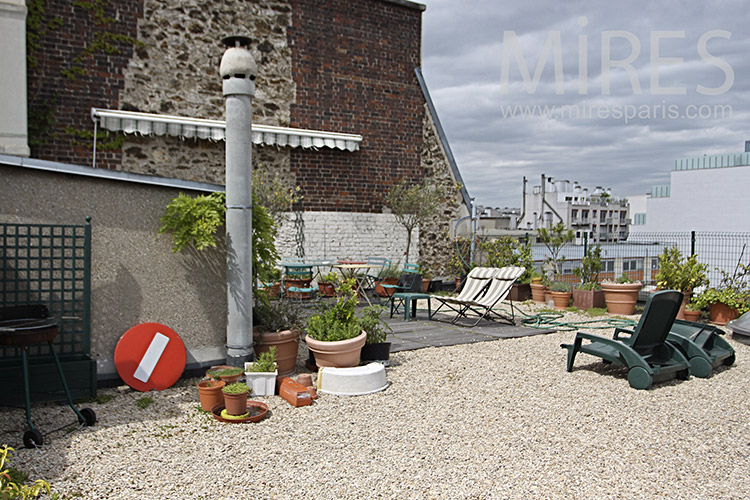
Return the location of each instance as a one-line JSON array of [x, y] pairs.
[[262, 383]]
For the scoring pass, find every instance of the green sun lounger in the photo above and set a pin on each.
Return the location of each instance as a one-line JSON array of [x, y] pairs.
[[703, 346], [644, 350]]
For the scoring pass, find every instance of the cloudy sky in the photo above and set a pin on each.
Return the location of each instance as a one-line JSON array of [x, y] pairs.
[[629, 87]]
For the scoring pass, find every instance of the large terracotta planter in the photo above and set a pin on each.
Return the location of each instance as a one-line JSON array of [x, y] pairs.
[[621, 297], [339, 354], [520, 292], [286, 343], [537, 292], [210, 393], [721, 314], [683, 306], [561, 300], [588, 299]]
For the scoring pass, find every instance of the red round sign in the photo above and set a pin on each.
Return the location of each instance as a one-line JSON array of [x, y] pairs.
[[150, 356]]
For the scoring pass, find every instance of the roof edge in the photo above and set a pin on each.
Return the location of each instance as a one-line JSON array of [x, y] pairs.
[[101, 173], [407, 4], [443, 138]]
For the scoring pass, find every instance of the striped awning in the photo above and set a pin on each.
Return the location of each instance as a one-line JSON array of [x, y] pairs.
[[131, 122]]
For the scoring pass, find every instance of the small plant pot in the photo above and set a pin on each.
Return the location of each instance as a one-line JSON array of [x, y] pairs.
[[261, 383], [692, 315], [235, 404], [537, 292], [210, 393], [561, 300], [721, 314], [379, 351], [326, 289]]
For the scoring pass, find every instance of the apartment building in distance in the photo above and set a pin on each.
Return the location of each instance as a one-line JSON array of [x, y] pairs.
[[597, 214]]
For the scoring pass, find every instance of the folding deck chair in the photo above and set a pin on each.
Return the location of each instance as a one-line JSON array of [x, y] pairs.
[[485, 288], [702, 345], [645, 350]]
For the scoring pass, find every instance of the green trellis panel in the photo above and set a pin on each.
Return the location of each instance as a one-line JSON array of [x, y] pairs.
[[50, 264]]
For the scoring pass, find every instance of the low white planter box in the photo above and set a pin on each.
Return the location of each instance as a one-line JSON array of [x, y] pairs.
[[262, 383]]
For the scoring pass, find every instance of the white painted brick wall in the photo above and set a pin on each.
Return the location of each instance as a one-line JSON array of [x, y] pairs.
[[347, 235]]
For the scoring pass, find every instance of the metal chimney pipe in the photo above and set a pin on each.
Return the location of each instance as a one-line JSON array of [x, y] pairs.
[[238, 71]]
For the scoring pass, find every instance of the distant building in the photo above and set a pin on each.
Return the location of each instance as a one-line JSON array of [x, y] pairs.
[[596, 214], [705, 193]]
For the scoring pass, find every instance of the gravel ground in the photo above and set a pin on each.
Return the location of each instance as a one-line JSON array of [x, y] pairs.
[[500, 419]]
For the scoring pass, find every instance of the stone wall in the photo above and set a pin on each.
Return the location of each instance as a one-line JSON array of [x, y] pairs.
[[436, 246]]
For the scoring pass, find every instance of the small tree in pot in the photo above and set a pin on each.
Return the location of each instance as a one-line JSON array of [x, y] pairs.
[[588, 293], [684, 275], [376, 348], [277, 325]]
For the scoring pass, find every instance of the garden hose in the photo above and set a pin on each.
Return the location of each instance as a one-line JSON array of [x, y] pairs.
[[548, 319]]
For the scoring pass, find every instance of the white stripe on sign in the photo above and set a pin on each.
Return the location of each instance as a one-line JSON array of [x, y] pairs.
[[152, 356]]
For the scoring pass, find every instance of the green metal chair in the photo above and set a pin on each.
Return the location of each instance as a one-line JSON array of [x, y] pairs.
[[407, 282], [703, 346], [644, 350]]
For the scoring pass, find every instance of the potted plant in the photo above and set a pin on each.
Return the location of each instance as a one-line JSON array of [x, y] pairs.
[[228, 374], [426, 277], [508, 251], [692, 311], [731, 298], [588, 293], [621, 295], [537, 288], [676, 273], [335, 335], [561, 293], [277, 325], [327, 284], [376, 348], [235, 398], [273, 285], [209, 392], [260, 375]]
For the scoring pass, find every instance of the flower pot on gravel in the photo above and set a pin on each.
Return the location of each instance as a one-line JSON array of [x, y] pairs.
[[261, 383], [621, 297], [588, 299], [339, 353], [537, 292], [378, 351], [235, 398], [692, 315], [210, 393], [721, 314], [561, 300], [286, 343], [520, 292]]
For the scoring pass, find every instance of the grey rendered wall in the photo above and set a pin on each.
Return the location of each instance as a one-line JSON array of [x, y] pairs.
[[135, 276]]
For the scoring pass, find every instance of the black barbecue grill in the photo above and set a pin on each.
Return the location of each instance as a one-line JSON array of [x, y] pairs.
[[26, 325]]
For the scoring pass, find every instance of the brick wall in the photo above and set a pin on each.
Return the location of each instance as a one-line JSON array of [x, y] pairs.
[[58, 100], [354, 71]]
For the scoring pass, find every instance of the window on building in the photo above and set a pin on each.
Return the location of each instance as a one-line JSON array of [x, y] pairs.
[[578, 234], [639, 219], [655, 264], [603, 216], [608, 266], [632, 265]]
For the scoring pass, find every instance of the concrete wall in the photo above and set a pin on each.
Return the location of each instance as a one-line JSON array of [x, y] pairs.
[[713, 199], [135, 276]]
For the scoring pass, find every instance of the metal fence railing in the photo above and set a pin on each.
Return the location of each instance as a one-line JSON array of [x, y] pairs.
[[638, 256]]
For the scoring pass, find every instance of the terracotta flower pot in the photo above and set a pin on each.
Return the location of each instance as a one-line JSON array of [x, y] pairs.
[[692, 315], [235, 404], [721, 314], [339, 354], [537, 292], [286, 342], [326, 289], [386, 292], [683, 306], [561, 300], [621, 297], [210, 393]]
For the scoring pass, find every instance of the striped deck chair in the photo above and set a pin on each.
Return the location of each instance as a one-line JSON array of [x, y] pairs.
[[497, 291], [477, 282]]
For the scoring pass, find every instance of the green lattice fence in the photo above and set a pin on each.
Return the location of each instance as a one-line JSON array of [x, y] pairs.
[[50, 264]]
